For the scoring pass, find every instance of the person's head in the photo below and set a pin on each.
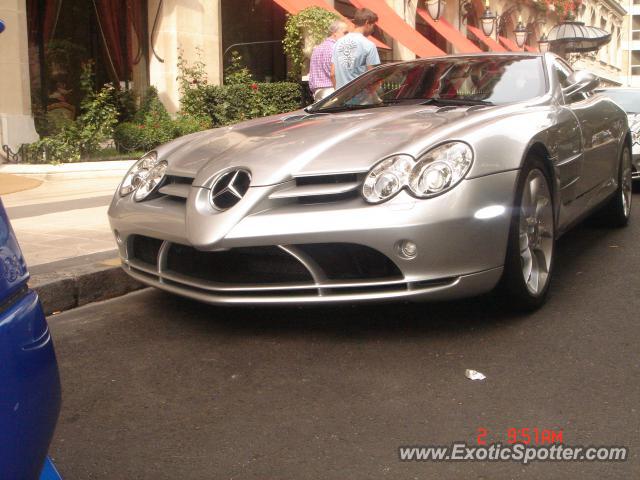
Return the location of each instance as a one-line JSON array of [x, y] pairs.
[[338, 29], [365, 21]]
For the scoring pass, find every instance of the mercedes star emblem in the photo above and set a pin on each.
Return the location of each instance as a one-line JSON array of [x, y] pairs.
[[229, 188]]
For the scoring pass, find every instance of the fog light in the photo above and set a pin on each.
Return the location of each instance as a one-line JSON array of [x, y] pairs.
[[118, 237], [407, 249]]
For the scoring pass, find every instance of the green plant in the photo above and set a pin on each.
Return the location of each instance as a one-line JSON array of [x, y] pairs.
[[191, 81], [74, 140], [62, 147], [186, 124], [240, 98], [99, 114], [125, 102], [312, 22], [151, 107], [128, 137], [237, 73]]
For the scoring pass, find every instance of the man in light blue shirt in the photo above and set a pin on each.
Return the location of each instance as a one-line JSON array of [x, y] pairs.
[[354, 54]]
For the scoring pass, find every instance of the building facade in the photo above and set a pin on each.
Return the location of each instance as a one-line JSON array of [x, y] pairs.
[[631, 42], [137, 43]]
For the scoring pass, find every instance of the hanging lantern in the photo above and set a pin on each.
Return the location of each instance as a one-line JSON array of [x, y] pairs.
[[487, 20], [543, 44], [435, 8], [520, 32]]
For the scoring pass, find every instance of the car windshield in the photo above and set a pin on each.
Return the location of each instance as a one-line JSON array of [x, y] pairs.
[[629, 100], [491, 80]]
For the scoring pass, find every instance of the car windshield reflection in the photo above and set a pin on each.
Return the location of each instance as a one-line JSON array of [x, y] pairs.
[[491, 80]]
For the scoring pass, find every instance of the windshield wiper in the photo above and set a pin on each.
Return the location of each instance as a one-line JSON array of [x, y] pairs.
[[345, 108], [455, 101]]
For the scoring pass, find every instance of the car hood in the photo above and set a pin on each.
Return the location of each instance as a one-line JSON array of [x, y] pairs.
[[275, 149]]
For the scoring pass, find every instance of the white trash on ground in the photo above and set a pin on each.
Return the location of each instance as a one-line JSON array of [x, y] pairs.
[[474, 374]]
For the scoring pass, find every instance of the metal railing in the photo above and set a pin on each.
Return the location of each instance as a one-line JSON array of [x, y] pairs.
[[24, 154]]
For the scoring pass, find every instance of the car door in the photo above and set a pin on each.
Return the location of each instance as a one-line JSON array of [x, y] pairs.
[[596, 117]]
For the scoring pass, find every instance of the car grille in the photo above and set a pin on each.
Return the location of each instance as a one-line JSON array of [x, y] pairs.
[[260, 265], [347, 261], [306, 190], [176, 187], [313, 189], [319, 268], [145, 249]]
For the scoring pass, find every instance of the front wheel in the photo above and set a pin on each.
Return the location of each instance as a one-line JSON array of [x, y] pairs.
[[531, 246]]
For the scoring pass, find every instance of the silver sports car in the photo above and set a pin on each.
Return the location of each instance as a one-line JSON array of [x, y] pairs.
[[431, 179]]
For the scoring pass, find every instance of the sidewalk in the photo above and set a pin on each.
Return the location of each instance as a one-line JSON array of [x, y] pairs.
[[59, 214], [61, 210]]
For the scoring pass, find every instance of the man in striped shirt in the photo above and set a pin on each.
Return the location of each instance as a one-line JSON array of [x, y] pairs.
[[320, 68]]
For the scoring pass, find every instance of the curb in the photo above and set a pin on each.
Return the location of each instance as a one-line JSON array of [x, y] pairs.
[[46, 168], [63, 287], [68, 170]]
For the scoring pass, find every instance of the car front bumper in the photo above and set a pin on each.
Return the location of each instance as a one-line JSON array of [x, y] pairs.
[[461, 240]]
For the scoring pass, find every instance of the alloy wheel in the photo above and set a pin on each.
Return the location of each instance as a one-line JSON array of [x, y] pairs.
[[536, 233]]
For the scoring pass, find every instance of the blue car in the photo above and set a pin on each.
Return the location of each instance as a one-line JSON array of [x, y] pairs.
[[29, 381]]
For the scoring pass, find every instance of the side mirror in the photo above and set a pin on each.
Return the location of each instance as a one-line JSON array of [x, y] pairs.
[[581, 82]]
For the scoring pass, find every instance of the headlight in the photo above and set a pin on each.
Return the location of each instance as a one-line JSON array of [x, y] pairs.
[[437, 171], [145, 175], [441, 169], [387, 178], [151, 182]]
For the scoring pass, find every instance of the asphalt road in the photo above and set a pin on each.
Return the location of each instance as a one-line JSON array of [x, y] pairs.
[[158, 387]]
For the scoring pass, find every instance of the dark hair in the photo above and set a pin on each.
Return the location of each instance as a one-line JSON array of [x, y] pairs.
[[364, 16]]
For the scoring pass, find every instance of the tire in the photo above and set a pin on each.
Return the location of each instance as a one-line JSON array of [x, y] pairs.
[[531, 245], [617, 211]]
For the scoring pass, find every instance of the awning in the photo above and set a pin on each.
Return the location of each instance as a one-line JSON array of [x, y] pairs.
[[290, 6], [509, 44], [295, 6], [396, 27], [571, 37], [450, 33], [488, 41]]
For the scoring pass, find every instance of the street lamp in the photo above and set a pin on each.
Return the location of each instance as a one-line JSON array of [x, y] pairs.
[[520, 32], [543, 43], [435, 8], [487, 20]]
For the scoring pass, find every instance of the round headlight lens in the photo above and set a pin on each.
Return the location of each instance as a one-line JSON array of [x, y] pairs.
[[151, 181], [387, 178], [441, 169], [137, 175]]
